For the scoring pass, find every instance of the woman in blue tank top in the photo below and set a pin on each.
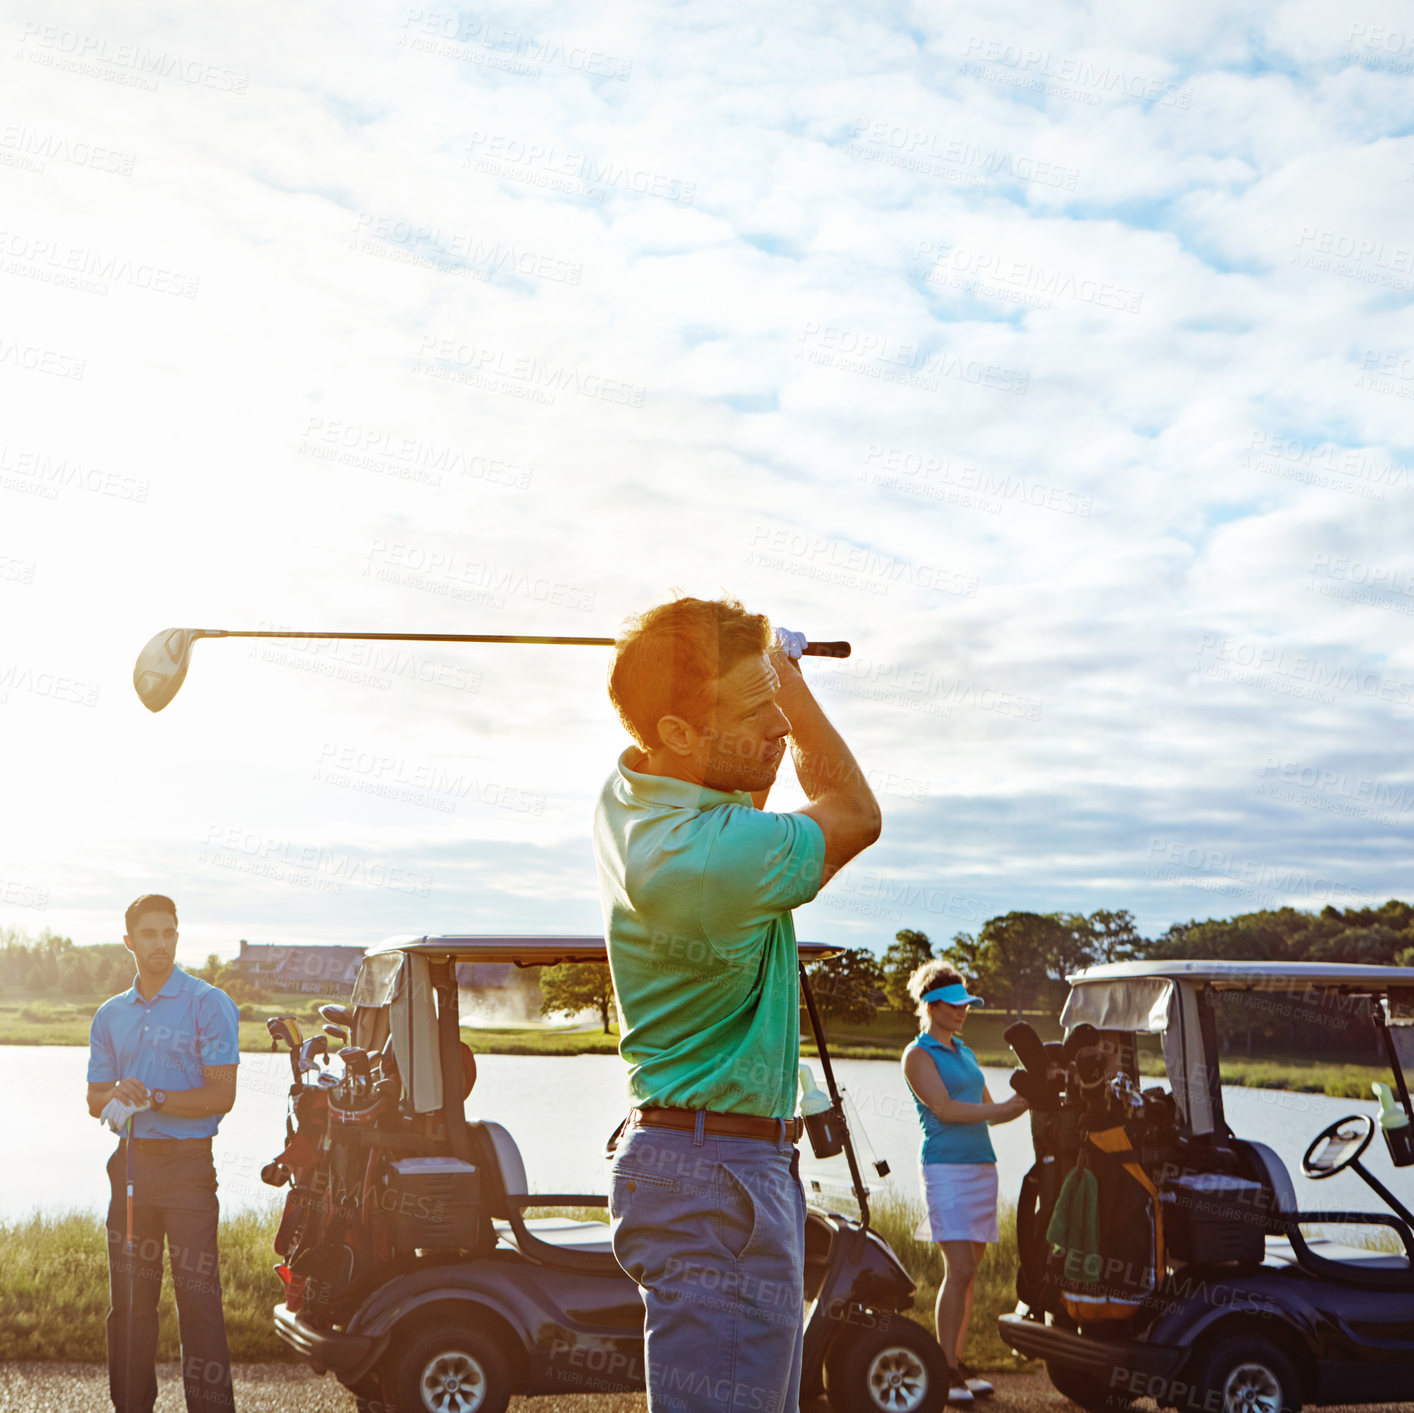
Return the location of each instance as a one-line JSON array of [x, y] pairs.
[[959, 1165]]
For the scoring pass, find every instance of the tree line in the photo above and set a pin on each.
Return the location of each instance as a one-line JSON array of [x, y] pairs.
[[50, 965], [1018, 962]]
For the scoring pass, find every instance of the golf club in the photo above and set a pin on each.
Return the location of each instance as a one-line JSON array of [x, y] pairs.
[[337, 1015], [161, 666], [334, 1033], [128, 1257]]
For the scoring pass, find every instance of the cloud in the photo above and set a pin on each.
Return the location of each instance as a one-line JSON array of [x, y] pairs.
[[1057, 361]]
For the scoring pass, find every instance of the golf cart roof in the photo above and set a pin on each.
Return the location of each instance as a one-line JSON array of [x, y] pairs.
[[532, 951], [1253, 976]]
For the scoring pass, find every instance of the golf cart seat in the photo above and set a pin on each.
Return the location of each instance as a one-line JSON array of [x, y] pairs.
[[1317, 1253], [549, 1241]]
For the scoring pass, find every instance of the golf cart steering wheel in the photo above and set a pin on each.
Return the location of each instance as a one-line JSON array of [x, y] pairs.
[[1346, 1139]]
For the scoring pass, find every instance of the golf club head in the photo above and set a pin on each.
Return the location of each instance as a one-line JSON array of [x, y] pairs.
[[334, 1033], [161, 666], [1027, 1046], [315, 1045], [279, 1029], [338, 1015], [1083, 1037]]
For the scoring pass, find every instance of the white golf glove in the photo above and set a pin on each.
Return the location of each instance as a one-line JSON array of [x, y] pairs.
[[116, 1113], [792, 644]]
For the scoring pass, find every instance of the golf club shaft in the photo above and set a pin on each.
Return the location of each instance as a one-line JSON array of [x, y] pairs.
[[408, 637], [128, 1261], [810, 649], [128, 1154]]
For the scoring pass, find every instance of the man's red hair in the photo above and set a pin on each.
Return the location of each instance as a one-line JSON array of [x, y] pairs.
[[667, 661]]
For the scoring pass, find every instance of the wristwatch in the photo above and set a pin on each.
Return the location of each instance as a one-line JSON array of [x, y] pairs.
[[157, 1097]]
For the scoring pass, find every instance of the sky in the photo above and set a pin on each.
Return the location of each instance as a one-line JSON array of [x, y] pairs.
[[1057, 357]]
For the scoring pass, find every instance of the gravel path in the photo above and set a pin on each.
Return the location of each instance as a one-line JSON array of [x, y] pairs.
[[281, 1388]]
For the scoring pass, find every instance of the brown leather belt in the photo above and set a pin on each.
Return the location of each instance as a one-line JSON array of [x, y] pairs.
[[726, 1125], [167, 1145]]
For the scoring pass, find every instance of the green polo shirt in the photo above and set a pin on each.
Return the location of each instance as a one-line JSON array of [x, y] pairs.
[[697, 887]]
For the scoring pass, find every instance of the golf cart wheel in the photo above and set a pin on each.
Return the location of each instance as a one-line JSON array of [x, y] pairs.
[[1092, 1394], [450, 1369], [1247, 1375], [896, 1367]]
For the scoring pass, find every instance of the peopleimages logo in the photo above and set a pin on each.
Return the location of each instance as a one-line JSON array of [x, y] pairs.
[[1068, 76], [853, 566], [1294, 674], [874, 355], [932, 153]]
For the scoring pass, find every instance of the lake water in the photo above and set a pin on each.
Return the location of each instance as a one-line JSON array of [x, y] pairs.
[[561, 1110]]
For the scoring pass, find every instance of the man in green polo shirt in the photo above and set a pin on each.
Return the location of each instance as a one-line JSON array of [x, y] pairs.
[[697, 882]]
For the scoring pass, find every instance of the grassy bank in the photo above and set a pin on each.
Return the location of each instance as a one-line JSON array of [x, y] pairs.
[[884, 1037], [54, 1289], [46, 1022], [54, 1285]]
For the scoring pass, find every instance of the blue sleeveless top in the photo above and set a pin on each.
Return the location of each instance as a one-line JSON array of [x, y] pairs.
[[960, 1072]]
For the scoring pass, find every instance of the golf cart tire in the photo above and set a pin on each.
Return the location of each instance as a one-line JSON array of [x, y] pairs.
[[1277, 1387], [458, 1352], [1083, 1388], [860, 1363]]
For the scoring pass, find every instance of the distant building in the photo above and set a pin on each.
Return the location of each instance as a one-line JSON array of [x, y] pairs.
[[325, 971], [330, 972]]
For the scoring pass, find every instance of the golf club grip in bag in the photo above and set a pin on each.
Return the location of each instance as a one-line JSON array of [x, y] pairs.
[[826, 650]]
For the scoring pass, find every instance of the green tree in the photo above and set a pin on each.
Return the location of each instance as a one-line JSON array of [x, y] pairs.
[[845, 986], [16, 960], [210, 970], [75, 968], [1072, 949], [906, 953], [965, 953], [51, 956], [573, 987], [1115, 937], [1016, 953]]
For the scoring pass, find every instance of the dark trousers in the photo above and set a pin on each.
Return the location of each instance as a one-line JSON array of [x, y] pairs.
[[174, 1198]]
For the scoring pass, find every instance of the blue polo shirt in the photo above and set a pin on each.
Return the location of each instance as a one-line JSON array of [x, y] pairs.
[[965, 1082], [697, 887], [165, 1042]]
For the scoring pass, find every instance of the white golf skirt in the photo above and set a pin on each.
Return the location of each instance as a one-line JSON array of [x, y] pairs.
[[961, 1199]]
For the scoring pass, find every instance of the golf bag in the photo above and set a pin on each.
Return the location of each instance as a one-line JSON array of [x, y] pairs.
[[331, 1236], [1056, 1138], [1106, 1232]]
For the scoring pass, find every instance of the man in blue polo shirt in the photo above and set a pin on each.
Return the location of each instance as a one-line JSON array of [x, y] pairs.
[[162, 1070], [697, 882]]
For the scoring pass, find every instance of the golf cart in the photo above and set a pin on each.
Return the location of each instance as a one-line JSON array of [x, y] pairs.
[[1162, 1254], [412, 1271]]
